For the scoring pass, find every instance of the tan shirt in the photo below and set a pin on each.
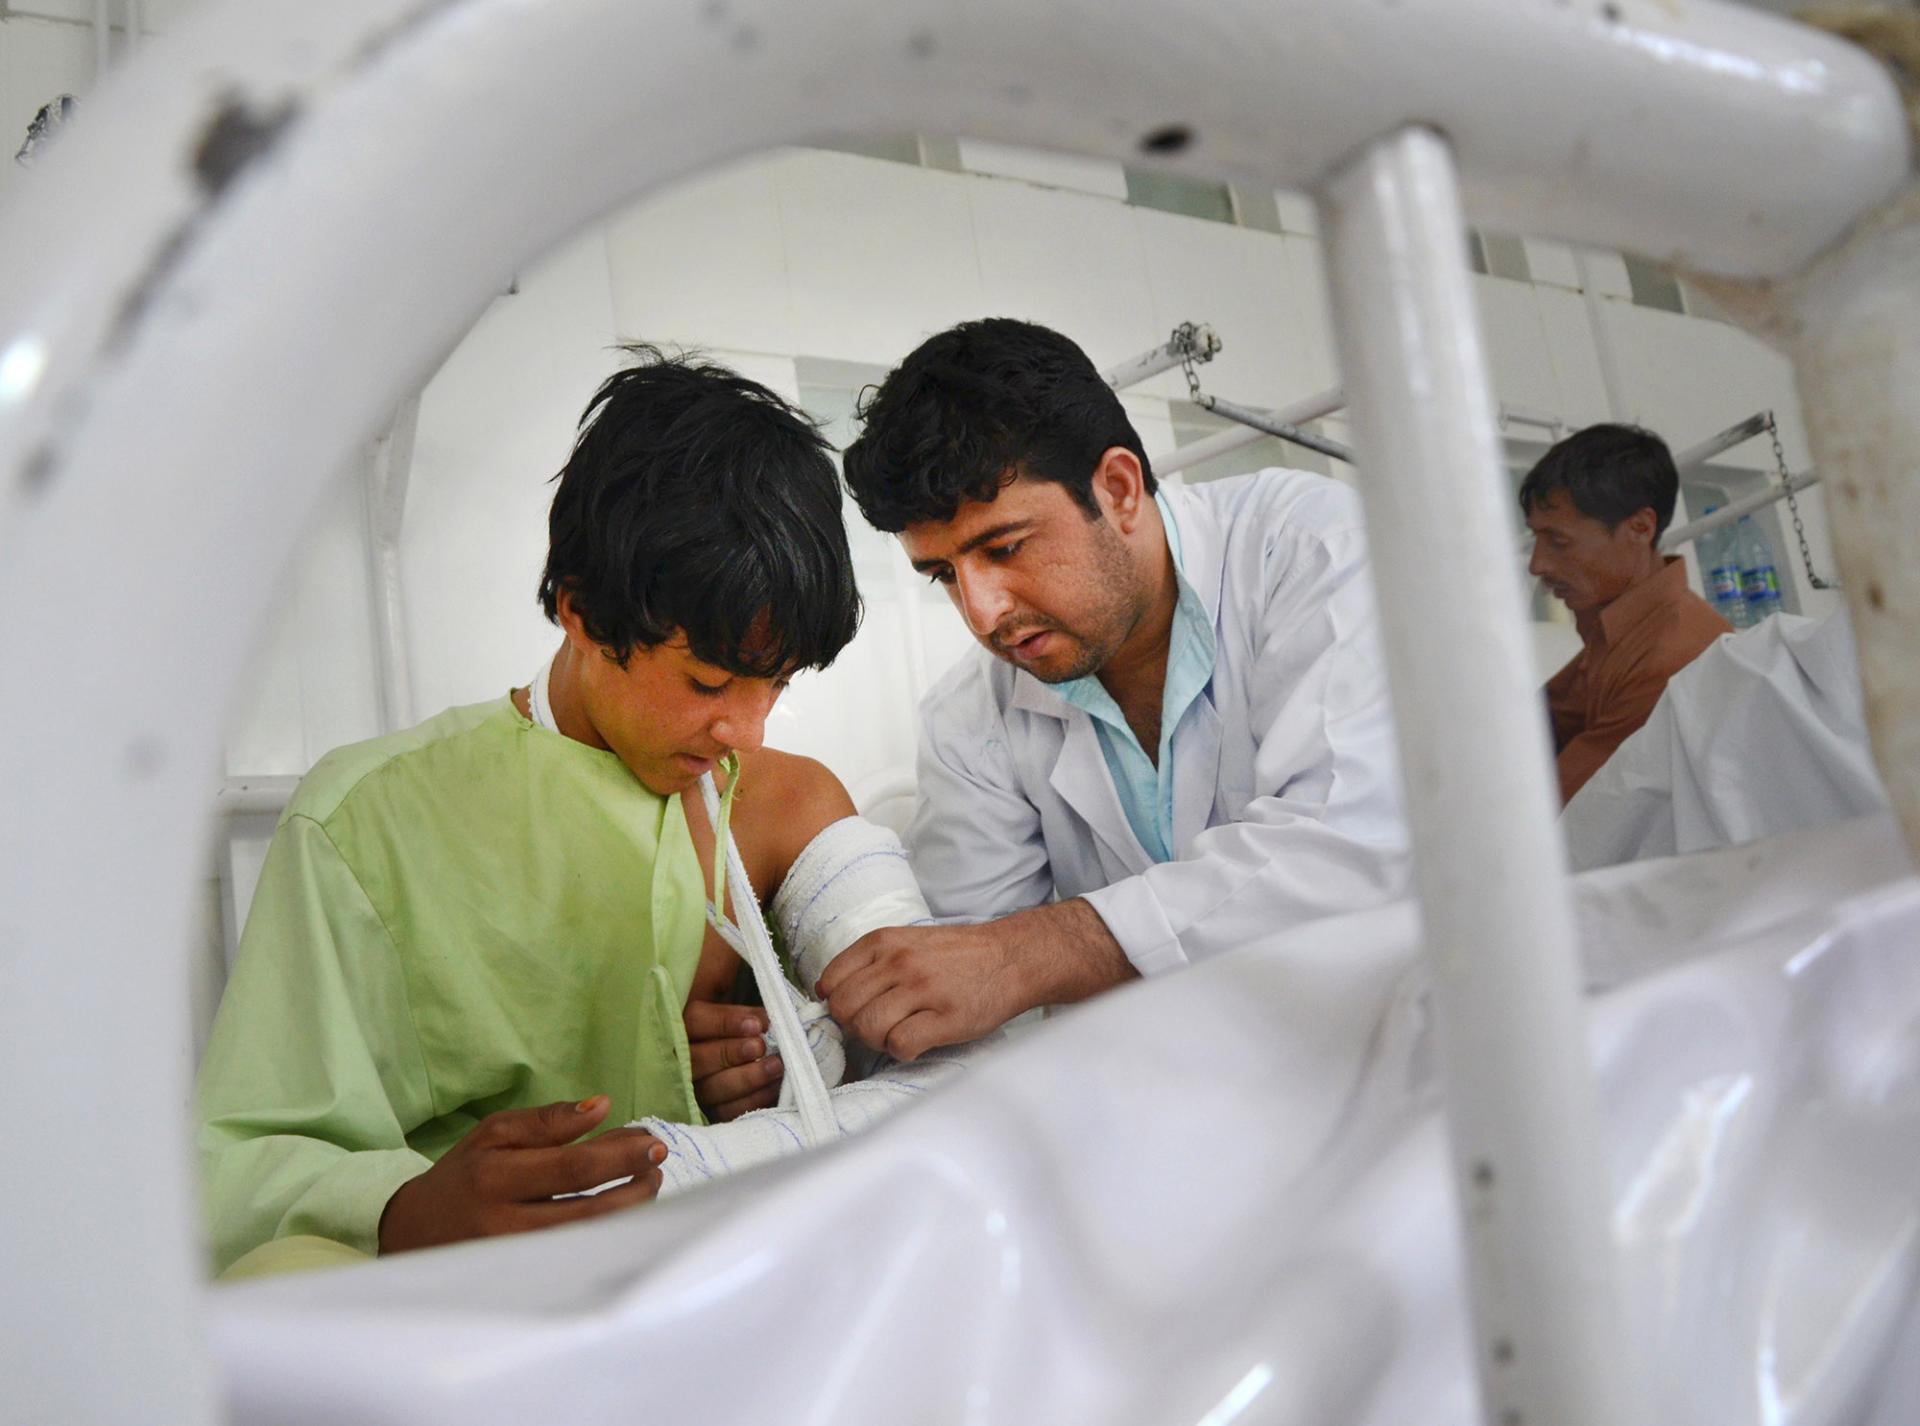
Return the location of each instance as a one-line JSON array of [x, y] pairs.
[[1632, 647]]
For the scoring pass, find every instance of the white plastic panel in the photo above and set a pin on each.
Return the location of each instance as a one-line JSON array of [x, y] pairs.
[[706, 260], [1551, 263], [1576, 364], [496, 424], [1237, 277], [871, 290], [1517, 346], [1049, 170], [1046, 256], [1105, 1225]]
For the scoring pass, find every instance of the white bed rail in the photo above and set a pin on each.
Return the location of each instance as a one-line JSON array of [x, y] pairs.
[[277, 219], [1499, 932]]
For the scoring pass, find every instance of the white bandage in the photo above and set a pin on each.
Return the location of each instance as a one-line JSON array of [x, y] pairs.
[[699, 1153], [851, 879]]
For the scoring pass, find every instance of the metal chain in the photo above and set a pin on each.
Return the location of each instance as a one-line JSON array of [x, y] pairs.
[[1186, 338], [1793, 505]]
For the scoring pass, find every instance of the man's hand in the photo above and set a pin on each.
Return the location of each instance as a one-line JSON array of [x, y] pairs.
[[905, 990], [504, 1175], [729, 1076], [909, 989]]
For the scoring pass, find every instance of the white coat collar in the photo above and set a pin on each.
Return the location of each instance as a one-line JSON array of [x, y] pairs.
[[1203, 545], [1082, 780], [1080, 775]]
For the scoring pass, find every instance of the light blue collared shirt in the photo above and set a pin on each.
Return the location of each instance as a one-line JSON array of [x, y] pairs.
[[1146, 789]]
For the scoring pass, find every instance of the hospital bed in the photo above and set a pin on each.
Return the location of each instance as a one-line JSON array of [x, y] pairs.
[[275, 224], [1226, 1197]]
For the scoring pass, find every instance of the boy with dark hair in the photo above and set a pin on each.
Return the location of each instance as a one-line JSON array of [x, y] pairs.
[[1176, 741], [1597, 504], [473, 942]]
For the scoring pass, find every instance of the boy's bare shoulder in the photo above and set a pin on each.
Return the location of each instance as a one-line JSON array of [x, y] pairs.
[[788, 801]]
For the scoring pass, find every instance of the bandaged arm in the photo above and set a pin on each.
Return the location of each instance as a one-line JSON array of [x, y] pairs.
[[851, 879]]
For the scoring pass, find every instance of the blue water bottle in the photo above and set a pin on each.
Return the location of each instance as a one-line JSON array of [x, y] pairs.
[[1720, 571], [1759, 583]]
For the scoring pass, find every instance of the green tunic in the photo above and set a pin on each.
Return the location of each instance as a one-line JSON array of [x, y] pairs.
[[472, 915]]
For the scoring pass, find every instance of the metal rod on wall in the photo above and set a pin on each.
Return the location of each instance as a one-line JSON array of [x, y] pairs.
[[1190, 341], [389, 466], [1732, 511]]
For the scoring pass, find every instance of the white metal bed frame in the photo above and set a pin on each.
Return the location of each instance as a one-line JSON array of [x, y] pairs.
[[282, 217]]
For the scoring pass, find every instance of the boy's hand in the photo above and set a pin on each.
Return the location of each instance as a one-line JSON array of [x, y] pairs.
[[730, 1077], [504, 1176]]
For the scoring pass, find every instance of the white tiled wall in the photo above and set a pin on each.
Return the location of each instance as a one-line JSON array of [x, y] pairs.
[[1071, 261], [1609, 274], [1238, 280], [706, 262], [861, 239], [1099, 176], [811, 254], [1297, 213], [1517, 347], [1571, 352], [495, 425], [1552, 264], [1312, 344]]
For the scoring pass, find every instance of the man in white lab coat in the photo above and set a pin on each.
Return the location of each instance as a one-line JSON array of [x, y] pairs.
[[1175, 741]]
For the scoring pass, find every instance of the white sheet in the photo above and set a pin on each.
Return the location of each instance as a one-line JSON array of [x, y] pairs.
[[1230, 1186], [1763, 733]]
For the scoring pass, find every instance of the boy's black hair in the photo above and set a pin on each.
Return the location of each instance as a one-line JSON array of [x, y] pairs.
[[973, 408], [1608, 472], [697, 500]]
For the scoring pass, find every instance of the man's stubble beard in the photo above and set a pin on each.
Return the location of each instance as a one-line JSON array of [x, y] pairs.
[[1118, 616]]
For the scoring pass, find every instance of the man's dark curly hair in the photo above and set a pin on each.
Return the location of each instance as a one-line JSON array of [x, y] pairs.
[[698, 501], [976, 407]]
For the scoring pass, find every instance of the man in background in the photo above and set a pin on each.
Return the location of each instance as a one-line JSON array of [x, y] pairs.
[[1597, 504]]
